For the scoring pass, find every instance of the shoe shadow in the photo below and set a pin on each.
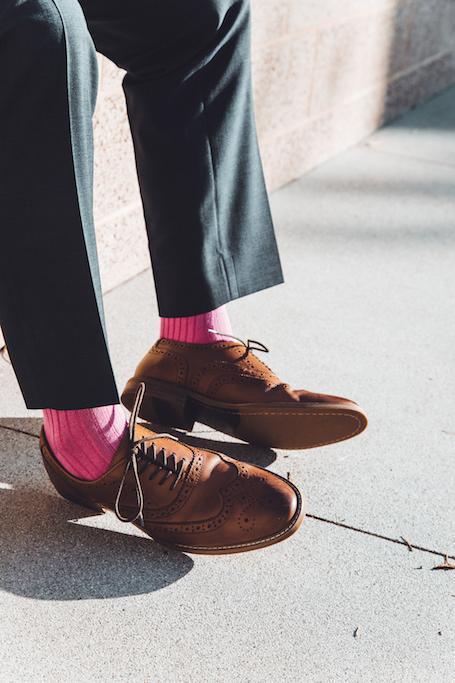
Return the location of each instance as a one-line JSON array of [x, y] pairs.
[[256, 455], [52, 549]]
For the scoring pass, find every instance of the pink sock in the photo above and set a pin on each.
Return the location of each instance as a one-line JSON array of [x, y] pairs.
[[84, 441], [195, 328]]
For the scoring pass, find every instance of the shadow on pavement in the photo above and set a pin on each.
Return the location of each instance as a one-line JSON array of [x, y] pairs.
[[51, 549], [46, 557], [256, 455]]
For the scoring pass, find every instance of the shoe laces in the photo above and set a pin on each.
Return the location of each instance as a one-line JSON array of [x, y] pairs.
[[248, 344], [141, 456]]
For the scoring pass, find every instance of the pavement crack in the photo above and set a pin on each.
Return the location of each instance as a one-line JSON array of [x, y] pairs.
[[383, 537], [19, 431]]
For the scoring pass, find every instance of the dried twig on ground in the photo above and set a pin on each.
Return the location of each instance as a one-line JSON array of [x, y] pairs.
[[445, 565], [407, 543]]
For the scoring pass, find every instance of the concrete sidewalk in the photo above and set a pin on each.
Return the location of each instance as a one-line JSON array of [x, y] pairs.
[[368, 249]]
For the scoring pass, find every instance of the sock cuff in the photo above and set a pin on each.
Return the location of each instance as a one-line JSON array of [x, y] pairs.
[[195, 328]]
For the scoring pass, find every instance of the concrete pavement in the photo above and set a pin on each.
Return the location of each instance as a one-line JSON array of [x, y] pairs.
[[368, 249]]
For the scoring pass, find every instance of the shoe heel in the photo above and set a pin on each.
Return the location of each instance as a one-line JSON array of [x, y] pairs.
[[67, 491], [162, 404]]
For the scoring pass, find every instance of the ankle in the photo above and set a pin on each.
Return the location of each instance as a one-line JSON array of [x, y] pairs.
[[85, 441], [204, 328]]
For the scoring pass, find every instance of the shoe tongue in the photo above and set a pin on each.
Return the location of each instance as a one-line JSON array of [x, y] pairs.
[[142, 432]]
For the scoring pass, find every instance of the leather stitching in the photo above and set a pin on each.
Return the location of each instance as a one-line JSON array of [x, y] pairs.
[[251, 544]]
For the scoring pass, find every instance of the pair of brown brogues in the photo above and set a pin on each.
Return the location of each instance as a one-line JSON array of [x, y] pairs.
[[194, 499]]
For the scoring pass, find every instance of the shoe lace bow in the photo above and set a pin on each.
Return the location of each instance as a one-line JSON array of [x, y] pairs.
[[141, 456], [249, 344]]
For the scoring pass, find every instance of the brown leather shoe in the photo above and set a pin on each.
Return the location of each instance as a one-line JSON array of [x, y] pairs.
[[195, 500], [226, 386]]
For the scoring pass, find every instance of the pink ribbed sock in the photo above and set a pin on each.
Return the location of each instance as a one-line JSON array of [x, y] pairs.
[[84, 441], [195, 328]]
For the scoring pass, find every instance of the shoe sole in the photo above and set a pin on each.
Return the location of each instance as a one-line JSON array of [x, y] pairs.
[[65, 488], [277, 425]]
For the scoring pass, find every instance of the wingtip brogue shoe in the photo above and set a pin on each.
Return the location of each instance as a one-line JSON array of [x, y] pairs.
[[226, 386], [191, 499]]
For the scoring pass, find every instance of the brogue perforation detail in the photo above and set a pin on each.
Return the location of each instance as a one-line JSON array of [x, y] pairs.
[[190, 482], [246, 520], [181, 363], [213, 365], [185, 345], [233, 377], [243, 472], [216, 522]]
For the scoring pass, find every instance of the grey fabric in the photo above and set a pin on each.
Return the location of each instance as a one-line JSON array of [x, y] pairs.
[[189, 97], [50, 297]]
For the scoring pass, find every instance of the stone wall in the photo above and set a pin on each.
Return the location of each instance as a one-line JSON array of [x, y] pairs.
[[329, 72], [326, 74]]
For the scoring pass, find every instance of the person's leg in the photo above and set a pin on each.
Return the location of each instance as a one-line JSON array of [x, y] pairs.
[[204, 328], [51, 310], [189, 97], [85, 441], [195, 500], [190, 105]]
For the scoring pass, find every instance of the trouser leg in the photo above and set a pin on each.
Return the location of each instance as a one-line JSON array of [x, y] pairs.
[[189, 98], [50, 297]]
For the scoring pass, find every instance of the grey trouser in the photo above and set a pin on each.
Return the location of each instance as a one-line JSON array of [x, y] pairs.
[[189, 98]]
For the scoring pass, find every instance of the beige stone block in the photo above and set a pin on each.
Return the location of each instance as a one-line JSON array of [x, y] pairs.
[[400, 55], [282, 77], [350, 57], [306, 14], [448, 29], [110, 77], [422, 29], [427, 30], [272, 97], [419, 84], [269, 20], [122, 248], [288, 156], [115, 180]]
